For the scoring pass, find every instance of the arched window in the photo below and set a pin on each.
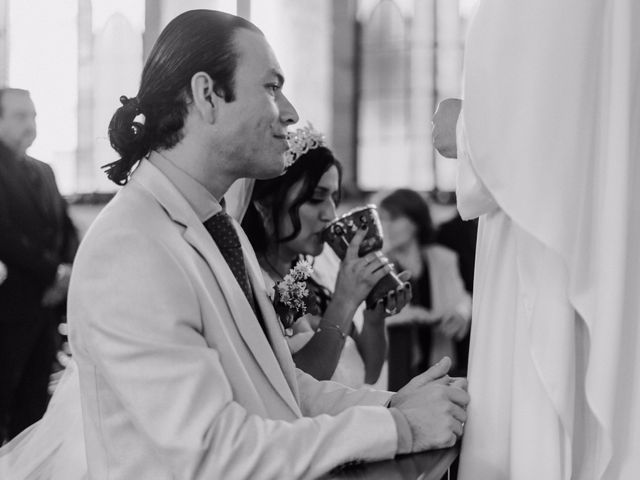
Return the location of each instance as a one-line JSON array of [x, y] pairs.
[[410, 55], [117, 61], [384, 96]]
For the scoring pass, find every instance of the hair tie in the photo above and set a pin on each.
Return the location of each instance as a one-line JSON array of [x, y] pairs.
[[139, 119], [130, 102]]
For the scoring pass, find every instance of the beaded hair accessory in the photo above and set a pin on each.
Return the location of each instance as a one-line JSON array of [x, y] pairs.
[[301, 141]]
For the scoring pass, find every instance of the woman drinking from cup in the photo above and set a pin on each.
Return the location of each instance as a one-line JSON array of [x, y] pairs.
[[285, 221]]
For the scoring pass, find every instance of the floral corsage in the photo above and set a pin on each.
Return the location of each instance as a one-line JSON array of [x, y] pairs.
[[292, 299]]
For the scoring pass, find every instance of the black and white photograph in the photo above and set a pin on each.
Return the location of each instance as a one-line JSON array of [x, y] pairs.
[[319, 239]]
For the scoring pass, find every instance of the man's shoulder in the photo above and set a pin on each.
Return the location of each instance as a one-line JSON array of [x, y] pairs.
[[131, 207], [130, 226], [39, 164], [35, 161], [42, 168]]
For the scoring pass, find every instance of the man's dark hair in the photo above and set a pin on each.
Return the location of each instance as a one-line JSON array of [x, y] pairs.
[[195, 41], [4, 90], [272, 194], [408, 203]]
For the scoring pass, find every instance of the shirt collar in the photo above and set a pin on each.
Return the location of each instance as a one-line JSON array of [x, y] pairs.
[[203, 203]]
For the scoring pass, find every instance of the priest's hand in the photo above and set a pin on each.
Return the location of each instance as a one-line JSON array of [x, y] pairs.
[[444, 127]]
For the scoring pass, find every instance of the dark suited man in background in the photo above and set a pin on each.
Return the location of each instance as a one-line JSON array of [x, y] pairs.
[[37, 245]]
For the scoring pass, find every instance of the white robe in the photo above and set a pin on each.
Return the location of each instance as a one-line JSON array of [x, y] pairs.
[[549, 151]]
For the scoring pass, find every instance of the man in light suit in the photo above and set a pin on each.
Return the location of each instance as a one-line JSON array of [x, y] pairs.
[[184, 370]]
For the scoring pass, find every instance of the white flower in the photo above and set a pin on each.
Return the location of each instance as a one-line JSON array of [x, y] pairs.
[[302, 270], [292, 290]]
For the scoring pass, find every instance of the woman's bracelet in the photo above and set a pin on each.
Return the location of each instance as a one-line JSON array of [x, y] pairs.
[[330, 326]]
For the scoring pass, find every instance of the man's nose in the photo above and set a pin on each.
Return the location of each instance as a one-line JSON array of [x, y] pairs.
[[288, 113]]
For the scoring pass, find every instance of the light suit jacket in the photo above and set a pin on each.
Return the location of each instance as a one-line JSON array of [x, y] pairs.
[[178, 380]]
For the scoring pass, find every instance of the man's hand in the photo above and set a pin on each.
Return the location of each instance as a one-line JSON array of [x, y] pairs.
[[434, 404], [444, 122]]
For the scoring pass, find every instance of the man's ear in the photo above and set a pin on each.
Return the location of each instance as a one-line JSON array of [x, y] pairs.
[[205, 100]]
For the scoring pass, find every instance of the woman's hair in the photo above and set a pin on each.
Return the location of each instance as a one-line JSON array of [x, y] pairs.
[[405, 202], [263, 227], [195, 41]]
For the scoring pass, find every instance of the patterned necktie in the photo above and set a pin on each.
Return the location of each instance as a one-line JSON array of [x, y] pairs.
[[221, 229]]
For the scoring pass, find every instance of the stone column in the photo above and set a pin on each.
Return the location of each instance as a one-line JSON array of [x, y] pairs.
[[424, 88], [85, 171], [343, 83], [152, 25], [300, 35], [117, 67], [4, 42], [169, 9], [449, 76], [244, 9]]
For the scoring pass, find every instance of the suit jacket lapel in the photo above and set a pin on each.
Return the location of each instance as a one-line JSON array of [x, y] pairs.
[[274, 327], [243, 316]]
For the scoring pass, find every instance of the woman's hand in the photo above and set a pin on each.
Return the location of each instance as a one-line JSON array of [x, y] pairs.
[[358, 275], [395, 300]]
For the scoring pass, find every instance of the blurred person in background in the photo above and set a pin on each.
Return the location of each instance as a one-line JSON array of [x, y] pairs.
[[37, 244], [461, 236], [439, 313]]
